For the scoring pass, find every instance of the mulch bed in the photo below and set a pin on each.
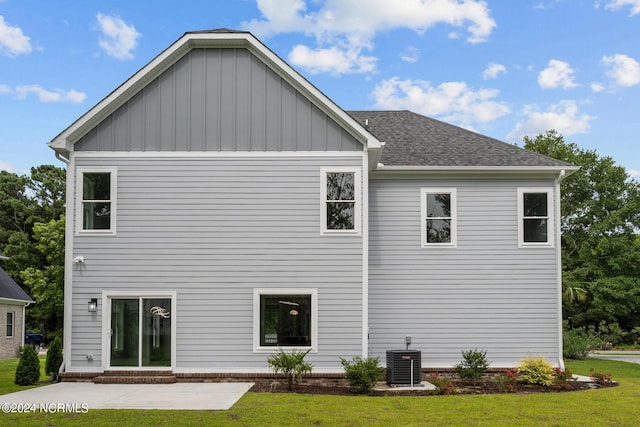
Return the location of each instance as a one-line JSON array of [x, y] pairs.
[[332, 386]]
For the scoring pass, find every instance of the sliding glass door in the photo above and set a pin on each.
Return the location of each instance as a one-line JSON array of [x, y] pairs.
[[140, 332]]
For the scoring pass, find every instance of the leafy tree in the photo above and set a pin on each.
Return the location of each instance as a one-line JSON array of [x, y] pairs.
[[600, 245], [36, 265]]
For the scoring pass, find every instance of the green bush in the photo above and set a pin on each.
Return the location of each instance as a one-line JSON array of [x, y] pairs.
[[535, 371], [578, 342], [54, 359], [473, 366], [444, 386], [28, 370], [292, 365], [362, 374]]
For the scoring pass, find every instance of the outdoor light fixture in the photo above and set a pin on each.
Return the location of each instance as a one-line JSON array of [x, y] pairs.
[[93, 305]]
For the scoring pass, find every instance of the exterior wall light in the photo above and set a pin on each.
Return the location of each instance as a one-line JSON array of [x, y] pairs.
[[93, 305]]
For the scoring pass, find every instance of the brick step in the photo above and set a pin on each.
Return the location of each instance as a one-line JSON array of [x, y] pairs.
[[135, 379], [163, 373]]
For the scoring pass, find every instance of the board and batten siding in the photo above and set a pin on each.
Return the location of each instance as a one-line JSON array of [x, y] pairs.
[[218, 100], [486, 293], [213, 228]]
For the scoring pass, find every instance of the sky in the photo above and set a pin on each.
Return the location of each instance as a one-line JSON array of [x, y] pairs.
[[505, 69]]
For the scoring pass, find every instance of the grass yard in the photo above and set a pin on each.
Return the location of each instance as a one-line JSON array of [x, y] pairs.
[[616, 406]]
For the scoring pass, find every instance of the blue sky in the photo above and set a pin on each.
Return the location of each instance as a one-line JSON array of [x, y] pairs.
[[502, 68]]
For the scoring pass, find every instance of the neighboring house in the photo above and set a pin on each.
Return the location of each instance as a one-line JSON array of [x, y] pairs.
[[221, 207], [13, 301]]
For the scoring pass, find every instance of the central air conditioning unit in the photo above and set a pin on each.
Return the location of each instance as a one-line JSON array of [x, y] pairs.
[[399, 367]]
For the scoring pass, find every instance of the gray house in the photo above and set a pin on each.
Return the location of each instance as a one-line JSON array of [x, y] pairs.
[[13, 301], [221, 207]]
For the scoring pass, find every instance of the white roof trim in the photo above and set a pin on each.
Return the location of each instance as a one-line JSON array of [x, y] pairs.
[[65, 140], [500, 170]]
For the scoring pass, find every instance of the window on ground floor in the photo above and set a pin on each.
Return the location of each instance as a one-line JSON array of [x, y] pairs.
[[11, 316], [285, 318]]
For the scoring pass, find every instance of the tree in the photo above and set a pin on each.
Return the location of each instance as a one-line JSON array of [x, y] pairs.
[[600, 246], [34, 263]]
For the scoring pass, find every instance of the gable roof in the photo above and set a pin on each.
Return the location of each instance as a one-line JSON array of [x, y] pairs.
[[414, 140], [219, 38], [10, 289]]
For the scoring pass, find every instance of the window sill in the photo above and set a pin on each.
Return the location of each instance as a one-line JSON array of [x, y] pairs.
[[275, 350]]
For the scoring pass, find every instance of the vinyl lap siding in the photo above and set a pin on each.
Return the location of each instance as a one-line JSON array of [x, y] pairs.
[[487, 293], [213, 229]]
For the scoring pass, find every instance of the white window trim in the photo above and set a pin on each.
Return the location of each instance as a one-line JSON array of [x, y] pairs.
[[257, 292], [454, 216], [105, 306], [113, 182], [13, 324], [550, 214], [323, 201]]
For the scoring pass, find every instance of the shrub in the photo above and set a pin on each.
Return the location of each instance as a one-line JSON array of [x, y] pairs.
[[54, 359], [601, 378], [28, 370], [443, 385], [562, 378], [507, 380], [577, 343], [362, 374], [473, 365], [292, 365], [535, 371]]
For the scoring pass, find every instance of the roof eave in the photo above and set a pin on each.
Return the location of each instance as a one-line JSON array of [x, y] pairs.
[[63, 143], [536, 171]]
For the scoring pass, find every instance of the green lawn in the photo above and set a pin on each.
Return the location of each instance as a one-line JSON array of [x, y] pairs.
[[616, 406]]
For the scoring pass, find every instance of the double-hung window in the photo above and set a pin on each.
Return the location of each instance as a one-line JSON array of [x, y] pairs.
[[438, 217], [285, 318], [535, 219], [96, 201], [10, 323], [340, 204]]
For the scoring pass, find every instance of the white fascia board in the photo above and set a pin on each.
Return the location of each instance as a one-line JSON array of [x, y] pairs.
[[64, 141], [401, 171]]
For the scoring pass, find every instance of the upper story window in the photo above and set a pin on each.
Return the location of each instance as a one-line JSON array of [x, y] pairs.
[[10, 323], [96, 201], [340, 210], [535, 219], [439, 223]]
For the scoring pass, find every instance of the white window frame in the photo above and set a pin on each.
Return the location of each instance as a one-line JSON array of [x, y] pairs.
[[323, 200], [454, 216], [12, 323], [113, 189], [550, 217], [257, 292]]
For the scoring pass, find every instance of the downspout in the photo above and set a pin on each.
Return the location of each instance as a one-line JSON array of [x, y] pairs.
[[66, 327], [558, 232]]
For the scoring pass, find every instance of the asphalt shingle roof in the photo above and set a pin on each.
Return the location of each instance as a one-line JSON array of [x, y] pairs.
[[10, 289], [415, 140]]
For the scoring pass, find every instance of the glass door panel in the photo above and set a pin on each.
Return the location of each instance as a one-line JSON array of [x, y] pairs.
[[156, 332], [124, 332]]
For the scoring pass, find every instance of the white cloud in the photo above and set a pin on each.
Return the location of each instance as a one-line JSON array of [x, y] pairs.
[[332, 60], [353, 24], [452, 101], [597, 87], [618, 4], [12, 40], [410, 55], [557, 74], [634, 173], [6, 166], [563, 117], [119, 39], [623, 69], [44, 95], [492, 71]]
